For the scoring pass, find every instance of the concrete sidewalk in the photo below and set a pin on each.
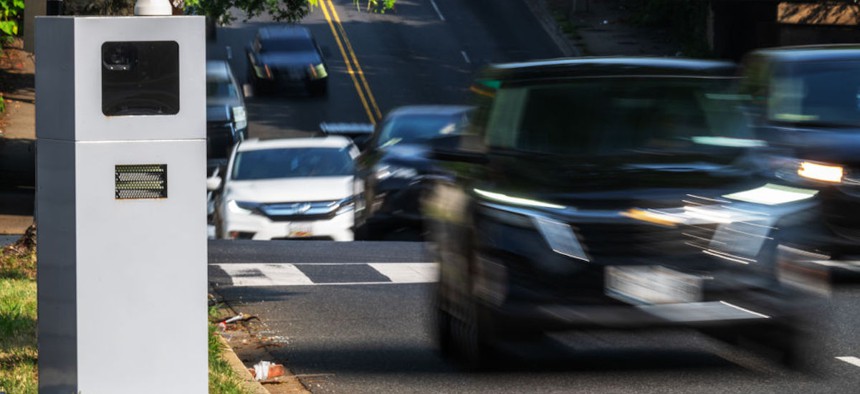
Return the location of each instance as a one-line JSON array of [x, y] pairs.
[[17, 142]]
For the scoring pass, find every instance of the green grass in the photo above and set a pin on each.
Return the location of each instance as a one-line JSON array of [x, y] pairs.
[[222, 378], [18, 350], [18, 336]]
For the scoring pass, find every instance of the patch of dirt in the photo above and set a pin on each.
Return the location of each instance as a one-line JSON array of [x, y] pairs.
[[17, 74]]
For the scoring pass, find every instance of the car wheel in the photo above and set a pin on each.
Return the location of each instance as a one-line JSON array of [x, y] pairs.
[[463, 331]]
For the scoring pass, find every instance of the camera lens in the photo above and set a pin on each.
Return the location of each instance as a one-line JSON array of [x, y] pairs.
[[118, 56]]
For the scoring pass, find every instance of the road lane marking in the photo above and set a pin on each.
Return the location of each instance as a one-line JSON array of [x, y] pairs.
[[466, 57], [850, 360], [358, 71], [436, 7], [355, 60], [408, 272], [261, 275], [285, 274], [346, 61]]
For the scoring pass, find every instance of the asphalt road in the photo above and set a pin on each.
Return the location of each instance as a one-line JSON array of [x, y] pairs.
[[408, 56], [354, 317], [347, 329]]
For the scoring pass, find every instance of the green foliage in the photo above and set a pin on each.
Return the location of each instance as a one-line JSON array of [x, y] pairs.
[[279, 10], [98, 7], [11, 15]]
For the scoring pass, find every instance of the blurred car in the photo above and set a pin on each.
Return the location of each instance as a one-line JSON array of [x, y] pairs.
[[616, 193], [286, 58], [805, 102], [394, 164], [287, 188], [226, 116]]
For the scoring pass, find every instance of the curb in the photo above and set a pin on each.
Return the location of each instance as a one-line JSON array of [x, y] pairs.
[[250, 384]]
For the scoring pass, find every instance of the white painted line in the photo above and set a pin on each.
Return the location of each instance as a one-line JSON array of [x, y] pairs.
[[436, 7], [745, 310], [408, 272], [229, 53], [261, 275], [850, 360], [466, 57]]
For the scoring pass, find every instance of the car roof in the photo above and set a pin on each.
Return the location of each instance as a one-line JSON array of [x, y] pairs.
[[564, 68], [276, 32], [442, 110], [217, 70], [287, 143], [829, 52]]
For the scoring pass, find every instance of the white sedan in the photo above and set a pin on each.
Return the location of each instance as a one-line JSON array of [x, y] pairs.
[[287, 188]]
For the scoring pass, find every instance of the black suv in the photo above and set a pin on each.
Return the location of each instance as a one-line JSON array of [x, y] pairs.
[[610, 193], [805, 102]]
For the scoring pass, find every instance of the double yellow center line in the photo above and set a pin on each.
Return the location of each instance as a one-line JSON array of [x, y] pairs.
[[352, 65]]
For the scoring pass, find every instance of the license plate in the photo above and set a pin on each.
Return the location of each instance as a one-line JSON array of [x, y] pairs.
[[300, 230], [652, 285]]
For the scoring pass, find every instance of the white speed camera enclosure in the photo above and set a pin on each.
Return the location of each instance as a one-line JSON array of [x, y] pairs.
[[121, 209]]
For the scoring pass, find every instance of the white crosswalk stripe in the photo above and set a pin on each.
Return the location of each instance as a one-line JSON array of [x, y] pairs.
[[263, 275], [408, 272], [850, 360]]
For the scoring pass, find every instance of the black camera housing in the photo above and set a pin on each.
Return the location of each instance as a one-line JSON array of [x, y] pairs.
[[140, 78]]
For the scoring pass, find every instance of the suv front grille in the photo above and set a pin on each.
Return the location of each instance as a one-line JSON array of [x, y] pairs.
[[300, 211]]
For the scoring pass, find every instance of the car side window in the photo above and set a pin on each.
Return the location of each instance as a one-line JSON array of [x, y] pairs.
[[505, 117]]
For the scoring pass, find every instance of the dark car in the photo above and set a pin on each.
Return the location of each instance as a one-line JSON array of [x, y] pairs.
[[617, 193], [394, 166], [805, 102], [286, 58], [226, 117]]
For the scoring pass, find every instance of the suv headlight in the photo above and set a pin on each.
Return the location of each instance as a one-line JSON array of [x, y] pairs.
[[317, 71], [832, 173], [245, 207], [240, 117]]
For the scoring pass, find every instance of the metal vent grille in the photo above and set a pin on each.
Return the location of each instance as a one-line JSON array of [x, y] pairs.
[[138, 181]]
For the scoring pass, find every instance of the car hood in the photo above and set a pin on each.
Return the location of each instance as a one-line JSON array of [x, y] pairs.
[[826, 144], [293, 59], [218, 113], [290, 189], [611, 183]]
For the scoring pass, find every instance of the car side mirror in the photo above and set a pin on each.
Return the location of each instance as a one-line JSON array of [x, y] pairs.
[[213, 183]]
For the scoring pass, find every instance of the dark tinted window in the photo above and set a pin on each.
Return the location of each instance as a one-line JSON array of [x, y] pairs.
[[620, 114], [221, 89], [416, 128], [297, 44], [292, 163], [816, 92]]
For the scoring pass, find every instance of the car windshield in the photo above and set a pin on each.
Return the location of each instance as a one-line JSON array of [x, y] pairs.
[[298, 44], [817, 92], [292, 163], [416, 128], [620, 115], [221, 89]]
